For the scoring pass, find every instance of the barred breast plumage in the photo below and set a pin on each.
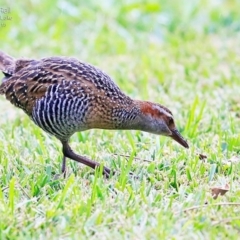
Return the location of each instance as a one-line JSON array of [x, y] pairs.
[[63, 95]]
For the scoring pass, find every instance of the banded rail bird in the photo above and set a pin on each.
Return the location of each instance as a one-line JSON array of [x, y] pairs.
[[64, 95]]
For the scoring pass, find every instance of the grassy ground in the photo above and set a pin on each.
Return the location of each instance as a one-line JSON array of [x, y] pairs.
[[183, 54]]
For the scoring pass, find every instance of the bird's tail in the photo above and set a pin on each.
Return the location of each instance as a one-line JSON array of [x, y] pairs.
[[7, 66], [6, 63]]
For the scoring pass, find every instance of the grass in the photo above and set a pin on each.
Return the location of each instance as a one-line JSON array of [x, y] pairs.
[[184, 55]]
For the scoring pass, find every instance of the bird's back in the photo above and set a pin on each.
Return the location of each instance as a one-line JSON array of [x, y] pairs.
[[30, 80], [62, 95]]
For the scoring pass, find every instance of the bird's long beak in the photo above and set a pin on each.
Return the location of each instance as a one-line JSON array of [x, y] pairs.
[[178, 138]]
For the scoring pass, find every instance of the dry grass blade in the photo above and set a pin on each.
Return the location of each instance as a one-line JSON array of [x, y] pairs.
[[225, 220], [208, 205], [128, 156]]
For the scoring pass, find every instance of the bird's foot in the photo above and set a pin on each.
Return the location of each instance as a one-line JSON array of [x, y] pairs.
[[64, 174], [108, 172], [133, 176], [58, 176], [64, 168]]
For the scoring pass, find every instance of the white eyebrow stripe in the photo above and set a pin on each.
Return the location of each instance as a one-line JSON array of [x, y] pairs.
[[166, 113], [162, 110]]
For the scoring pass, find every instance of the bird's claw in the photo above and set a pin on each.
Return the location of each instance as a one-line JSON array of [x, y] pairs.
[[107, 172]]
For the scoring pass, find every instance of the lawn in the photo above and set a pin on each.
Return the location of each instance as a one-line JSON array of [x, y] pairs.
[[182, 54]]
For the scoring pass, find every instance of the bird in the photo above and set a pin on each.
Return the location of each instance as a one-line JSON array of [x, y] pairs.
[[63, 95]]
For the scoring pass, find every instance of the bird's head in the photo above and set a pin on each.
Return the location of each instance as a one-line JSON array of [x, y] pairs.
[[157, 119]]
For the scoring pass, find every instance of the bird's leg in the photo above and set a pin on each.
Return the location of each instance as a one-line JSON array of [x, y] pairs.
[[64, 170], [68, 152]]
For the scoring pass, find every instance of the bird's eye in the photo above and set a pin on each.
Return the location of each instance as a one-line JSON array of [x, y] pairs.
[[170, 121]]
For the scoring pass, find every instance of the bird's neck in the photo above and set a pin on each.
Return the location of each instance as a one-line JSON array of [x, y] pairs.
[[144, 117], [132, 117], [120, 116]]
